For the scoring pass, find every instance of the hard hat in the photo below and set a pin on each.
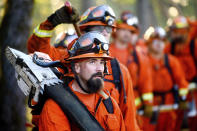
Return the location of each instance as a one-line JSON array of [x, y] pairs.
[[100, 15], [155, 33], [128, 21], [64, 39], [179, 22], [89, 45]]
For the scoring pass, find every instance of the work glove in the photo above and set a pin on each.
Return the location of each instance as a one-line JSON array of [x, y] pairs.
[[148, 111], [63, 15], [183, 105]]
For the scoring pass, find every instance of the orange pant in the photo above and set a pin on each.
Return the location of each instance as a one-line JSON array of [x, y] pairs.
[[165, 122]]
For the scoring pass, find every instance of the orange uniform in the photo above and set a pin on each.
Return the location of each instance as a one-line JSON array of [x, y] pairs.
[[183, 53], [141, 76], [140, 71], [40, 41], [163, 84], [121, 54], [53, 118]]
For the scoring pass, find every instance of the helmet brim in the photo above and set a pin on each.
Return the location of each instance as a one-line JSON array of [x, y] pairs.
[[90, 55]]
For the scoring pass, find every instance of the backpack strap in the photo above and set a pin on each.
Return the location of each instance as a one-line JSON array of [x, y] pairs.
[[116, 73], [192, 50], [134, 53], [108, 105], [167, 64], [175, 87], [117, 77]]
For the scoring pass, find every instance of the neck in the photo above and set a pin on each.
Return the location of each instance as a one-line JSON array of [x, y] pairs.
[[156, 55], [121, 45], [76, 87]]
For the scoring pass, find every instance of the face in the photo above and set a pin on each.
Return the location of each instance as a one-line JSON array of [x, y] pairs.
[[123, 35], [157, 46], [88, 67], [90, 71], [134, 38], [104, 30], [179, 35]]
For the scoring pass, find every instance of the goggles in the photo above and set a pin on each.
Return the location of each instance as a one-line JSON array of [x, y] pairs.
[[100, 29], [101, 13], [91, 42], [130, 19]]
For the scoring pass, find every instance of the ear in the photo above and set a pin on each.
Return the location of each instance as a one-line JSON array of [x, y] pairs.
[[77, 68]]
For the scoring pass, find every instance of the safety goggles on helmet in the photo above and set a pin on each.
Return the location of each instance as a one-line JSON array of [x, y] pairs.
[[179, 23], [91, 44], [101, 28], [130, 19], [160, 32], [102, 13]]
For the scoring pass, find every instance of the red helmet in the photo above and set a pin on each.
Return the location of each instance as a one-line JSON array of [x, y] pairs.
[[179, 22], [100, 15]]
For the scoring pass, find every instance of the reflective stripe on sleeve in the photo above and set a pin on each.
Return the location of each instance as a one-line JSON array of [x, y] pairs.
[[147, 96], [42, 33], [183, 91], [137, 101]]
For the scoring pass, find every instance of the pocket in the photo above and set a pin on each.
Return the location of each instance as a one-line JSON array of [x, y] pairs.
[[112, 122]]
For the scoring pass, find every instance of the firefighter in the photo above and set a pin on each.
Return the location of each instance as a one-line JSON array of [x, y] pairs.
[[88, 54], [170, 85], [101, 19], [136, 61], [183, 45]]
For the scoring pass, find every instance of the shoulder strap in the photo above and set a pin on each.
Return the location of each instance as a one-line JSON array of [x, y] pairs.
[[135, 57], [173, 44], [167, 64], [118, 77], [192, 50], [116, 73], [108, 105], [74, 109], [175, 87]]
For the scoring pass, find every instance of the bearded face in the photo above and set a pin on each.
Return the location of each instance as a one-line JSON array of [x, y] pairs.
[[90, 73]]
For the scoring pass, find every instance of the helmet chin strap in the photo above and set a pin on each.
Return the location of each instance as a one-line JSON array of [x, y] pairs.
[[79, 82]]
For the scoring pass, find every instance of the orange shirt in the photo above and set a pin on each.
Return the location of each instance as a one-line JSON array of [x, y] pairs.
[[121, 54], [53, 118], [182, 52], [140, 73], [163, 81]]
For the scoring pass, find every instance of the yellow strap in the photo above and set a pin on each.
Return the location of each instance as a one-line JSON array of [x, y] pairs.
[[137, 101], [42, 33], [147, 96], [183, 91]]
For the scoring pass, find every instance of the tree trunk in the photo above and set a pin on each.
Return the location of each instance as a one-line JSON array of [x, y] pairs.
[[14, 32], [145, 14]]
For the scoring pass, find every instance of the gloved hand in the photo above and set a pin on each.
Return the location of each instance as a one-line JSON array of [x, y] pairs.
[[62, 15], [148, 110], [183, 105]]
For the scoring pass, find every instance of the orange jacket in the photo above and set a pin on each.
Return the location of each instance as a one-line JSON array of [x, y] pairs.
[[121, 54], [53, 118], [163, 81], [41, 43], [182, 52], [128, 109], [141, 76]]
